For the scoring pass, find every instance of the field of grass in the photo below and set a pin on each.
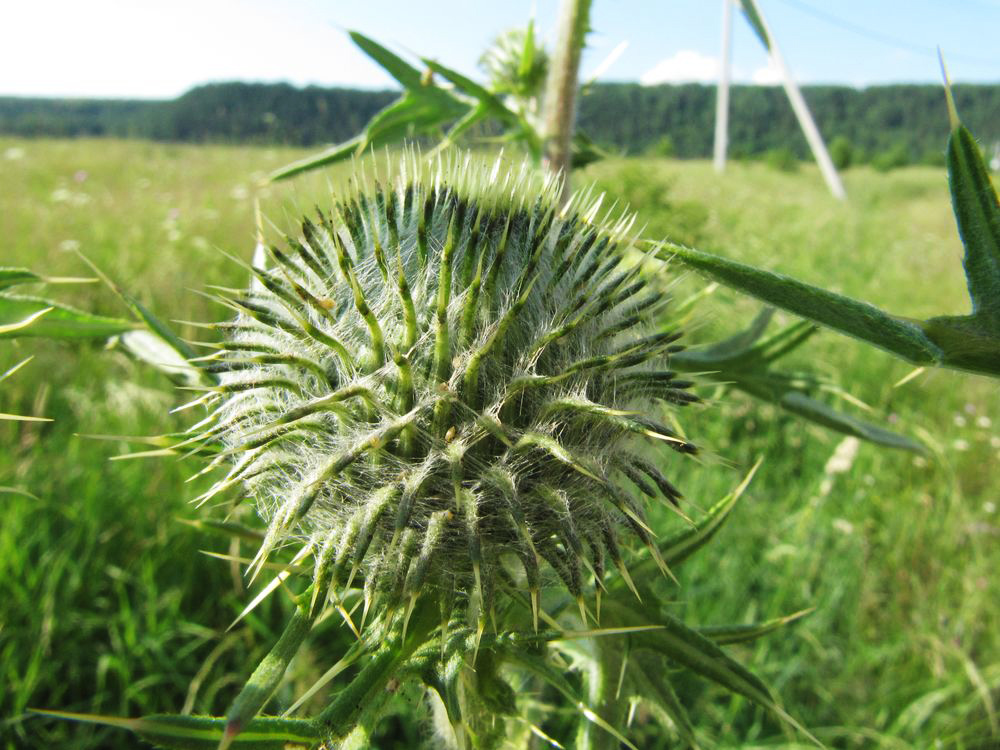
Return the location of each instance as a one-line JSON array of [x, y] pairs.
[[107, 605]]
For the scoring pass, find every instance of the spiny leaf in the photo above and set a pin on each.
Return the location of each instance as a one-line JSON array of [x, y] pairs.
[[977, 213], [265, 678], [728, 634], [653, 683], [141, 313], [31, 316], [687, 647], [13, 276], [678, 548], [341, 151], [492, 104], [204, 732], [861, 320], [394, 65], [820, 413], [22, 418], [556, 679]]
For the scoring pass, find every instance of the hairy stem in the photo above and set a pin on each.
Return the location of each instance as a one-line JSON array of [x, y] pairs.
[[560, 94]]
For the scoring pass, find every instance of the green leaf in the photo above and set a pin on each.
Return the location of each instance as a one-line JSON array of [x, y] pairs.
[[728, 634], [141, 313], [494, 106], [861, 320], [977, 213], [409, 115], [585, 151], [324, 158], [205, 732], [743, 363], [152, 349], [13, 276], [651, 678], [968, 341], [265, 678], [58, 322], [557, 680], [688, 648], [681, 546], [732, 347], [527, 60], [394, 65], [19, 325], [818, 412]]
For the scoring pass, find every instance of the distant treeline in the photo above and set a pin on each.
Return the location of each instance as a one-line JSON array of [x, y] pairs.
[[907, 122]]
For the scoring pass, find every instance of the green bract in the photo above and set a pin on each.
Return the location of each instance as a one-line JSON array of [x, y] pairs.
[[447, 373]]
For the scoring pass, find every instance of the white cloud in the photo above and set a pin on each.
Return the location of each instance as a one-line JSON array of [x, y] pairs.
[[686, 66], [767, 75]]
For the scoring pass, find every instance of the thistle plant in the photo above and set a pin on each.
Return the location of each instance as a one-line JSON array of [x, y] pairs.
[[443, 391]]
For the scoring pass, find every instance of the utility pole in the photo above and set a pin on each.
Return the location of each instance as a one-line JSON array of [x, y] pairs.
[[722, 94]]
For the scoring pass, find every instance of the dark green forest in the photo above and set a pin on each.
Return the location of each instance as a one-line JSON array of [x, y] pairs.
[[888, 125]]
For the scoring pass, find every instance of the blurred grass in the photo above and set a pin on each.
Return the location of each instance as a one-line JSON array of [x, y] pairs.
[[107, 606]]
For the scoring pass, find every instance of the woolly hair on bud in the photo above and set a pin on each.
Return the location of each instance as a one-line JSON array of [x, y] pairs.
[[442, 367]]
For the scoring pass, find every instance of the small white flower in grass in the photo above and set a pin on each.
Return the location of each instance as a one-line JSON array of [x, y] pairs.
[[843, 526], [843, 456], [960, 445], [984, 422], [841, 460], [14, 153], [989, 507], [69, 246], [960, 420]]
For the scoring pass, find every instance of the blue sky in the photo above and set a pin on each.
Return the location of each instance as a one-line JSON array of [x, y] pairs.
[[139, 48]]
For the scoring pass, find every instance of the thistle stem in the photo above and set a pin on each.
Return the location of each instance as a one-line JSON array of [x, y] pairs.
[[560, 94]]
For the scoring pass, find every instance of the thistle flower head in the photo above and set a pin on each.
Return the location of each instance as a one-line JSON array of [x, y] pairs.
[[445, 372]]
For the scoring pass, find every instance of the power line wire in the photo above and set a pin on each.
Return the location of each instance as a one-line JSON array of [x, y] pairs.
[[885, 39]]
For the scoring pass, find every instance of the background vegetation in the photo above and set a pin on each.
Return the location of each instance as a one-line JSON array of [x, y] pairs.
[[887, 125], [107, 606]]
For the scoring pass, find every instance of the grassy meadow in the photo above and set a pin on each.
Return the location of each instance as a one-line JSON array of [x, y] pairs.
[[108, 606]]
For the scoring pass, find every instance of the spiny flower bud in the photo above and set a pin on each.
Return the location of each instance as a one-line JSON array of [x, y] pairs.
[[444, 372]]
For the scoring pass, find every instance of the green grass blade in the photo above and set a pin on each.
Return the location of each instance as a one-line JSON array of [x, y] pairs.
[[852, 317], [204, 732], [30, 316]]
